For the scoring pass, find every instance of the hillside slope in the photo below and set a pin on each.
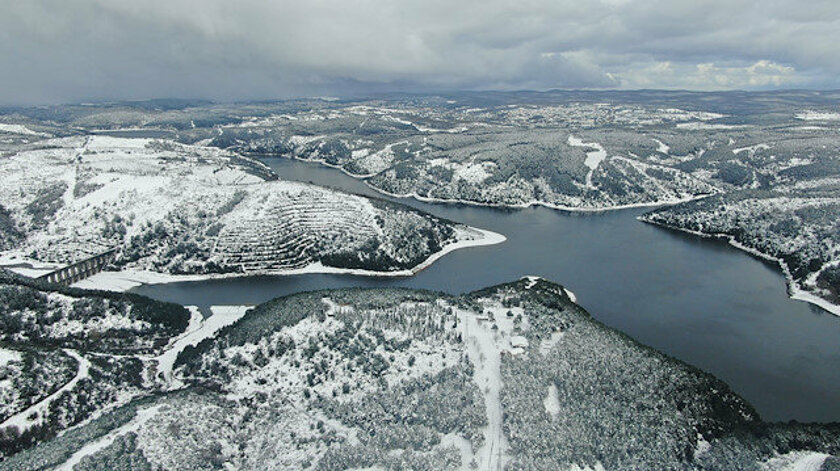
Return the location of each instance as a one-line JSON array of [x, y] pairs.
[[513, 377], [190, 210], [67, 355]]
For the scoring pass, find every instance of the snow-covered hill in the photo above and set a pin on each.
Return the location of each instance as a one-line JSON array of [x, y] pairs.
[[515, 376], [176, 209]]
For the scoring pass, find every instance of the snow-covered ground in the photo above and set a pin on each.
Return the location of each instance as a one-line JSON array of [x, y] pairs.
[[484, 348], [811, 115], [35, 413], [593, 157], [292, 392], [522, 161], [177, 209], [795, 461], [198, 330], [142, 416]]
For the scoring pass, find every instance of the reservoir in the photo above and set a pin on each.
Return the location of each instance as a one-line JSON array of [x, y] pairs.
[[699, 300]]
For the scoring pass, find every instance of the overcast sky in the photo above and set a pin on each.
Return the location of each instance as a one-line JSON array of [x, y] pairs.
[[71, 50]]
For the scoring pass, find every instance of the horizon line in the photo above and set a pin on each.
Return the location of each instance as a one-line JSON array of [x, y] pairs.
[[371, 96]]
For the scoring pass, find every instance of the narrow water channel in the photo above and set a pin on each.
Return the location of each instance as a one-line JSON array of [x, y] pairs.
[[698, 300]]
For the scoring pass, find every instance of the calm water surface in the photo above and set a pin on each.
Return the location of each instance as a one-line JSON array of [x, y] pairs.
[[698, 300]]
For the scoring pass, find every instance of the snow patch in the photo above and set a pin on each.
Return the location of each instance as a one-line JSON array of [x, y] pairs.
[[334, 308], [358, 153], [593, 158], [198, 330], [702, 447], [20, 129], [751, 149], [812, 128], [28, 271], [9, 356], [475, 173], [811, 115], [547, 344], [664, 148], [696, 126], [795, 461], [22, 265], [531, 281], [552, 401], [598, 467], [464, 448]]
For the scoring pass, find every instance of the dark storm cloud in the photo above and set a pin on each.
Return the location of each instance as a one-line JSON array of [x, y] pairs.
[[85, 49]]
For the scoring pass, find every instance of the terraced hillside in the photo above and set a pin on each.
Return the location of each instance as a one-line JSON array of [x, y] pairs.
[[176, 209], [513, 377], [767, 164], [586, 150]]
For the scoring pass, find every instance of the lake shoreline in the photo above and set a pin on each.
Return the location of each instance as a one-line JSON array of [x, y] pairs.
[[794, 290], [501, 206], [126, 280]]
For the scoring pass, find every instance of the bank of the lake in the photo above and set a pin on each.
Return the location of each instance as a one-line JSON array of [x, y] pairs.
[[697, 299]]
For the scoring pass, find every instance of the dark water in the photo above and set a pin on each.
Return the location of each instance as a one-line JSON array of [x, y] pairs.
[[698, 300]]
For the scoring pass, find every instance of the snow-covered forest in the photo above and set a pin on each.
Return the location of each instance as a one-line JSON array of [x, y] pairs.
[[515, 375], [190, 210], [582, 151], [67, 355]]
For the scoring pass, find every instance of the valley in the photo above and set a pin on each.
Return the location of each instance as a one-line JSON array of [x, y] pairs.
[[351, 212]]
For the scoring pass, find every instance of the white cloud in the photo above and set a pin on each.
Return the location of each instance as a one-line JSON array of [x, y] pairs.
[[53, 50], [710, 76]]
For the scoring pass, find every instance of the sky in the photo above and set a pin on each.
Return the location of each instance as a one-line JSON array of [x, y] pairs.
[[62, 51]]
